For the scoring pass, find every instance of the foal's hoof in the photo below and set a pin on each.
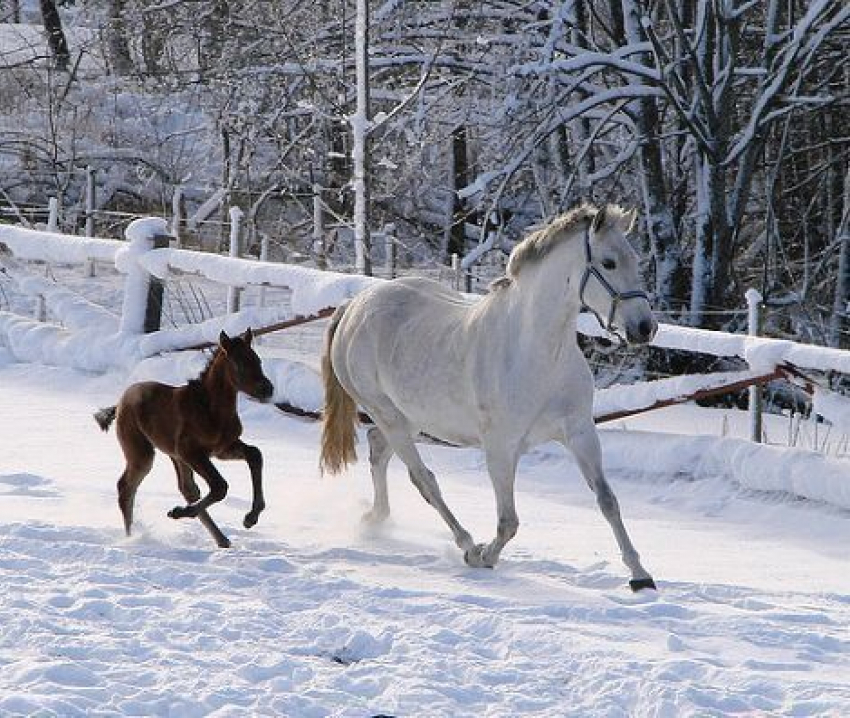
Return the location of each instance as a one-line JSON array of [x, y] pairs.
[[182, 512], [250, 519], [638, 584], [476, 558]]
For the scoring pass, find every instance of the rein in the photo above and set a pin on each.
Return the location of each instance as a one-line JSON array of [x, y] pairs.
[[591, 270]]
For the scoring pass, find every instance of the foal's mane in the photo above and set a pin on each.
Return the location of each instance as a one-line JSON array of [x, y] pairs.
[[198, 381]]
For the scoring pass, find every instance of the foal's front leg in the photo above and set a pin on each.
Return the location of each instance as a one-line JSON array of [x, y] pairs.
[[254, 458]]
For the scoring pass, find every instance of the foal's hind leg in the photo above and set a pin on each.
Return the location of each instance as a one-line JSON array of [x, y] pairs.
[[199, 462], [254, 458], [584, 444], [380, 454], [191, 492], [138, 453]]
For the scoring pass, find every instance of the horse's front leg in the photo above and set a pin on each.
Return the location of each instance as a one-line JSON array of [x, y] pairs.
[[200, 463], [584, 443], [501, 465], [254, 458]]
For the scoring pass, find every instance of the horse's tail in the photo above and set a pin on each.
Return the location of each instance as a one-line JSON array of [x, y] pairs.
[[339, 418], [105, 417]]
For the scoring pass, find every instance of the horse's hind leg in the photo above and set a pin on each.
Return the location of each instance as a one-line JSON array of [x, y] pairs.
[[392, 425], [584, 444], [138, 453], [501, 465], [380, 454], [191, 492]]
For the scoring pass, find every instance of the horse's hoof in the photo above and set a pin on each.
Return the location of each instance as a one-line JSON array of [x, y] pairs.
[[250, 520], [224, 542], [638, 584], [176, 513], [374, 517], [475, 557]]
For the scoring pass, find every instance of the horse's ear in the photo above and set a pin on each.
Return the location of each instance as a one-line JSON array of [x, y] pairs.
[[224, 341], [248, 336], [629, 221], [599, 220]]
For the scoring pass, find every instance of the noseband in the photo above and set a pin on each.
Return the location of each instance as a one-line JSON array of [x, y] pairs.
[[591, 270]]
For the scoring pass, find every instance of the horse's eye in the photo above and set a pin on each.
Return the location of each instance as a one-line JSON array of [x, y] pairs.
[[609, 264]]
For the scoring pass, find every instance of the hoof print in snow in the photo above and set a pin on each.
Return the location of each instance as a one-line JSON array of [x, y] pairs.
[[638, 584]]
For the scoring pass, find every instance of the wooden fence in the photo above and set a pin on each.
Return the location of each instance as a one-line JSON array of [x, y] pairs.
[[147, 259]]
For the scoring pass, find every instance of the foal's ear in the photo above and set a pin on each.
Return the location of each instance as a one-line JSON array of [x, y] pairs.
[[248, 336], [224, 341]]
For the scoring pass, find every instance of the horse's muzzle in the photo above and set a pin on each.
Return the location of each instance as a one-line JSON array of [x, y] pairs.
[[641, 332]]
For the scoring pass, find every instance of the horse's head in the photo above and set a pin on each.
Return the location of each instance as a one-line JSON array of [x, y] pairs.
[[611, 286], [246, 368]]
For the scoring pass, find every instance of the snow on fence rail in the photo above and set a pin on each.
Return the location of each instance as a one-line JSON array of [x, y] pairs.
[[94, 339]]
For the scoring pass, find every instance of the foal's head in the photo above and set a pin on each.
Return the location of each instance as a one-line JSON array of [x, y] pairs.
[[245, 367]]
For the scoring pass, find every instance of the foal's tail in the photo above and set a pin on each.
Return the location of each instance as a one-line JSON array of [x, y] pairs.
[[339, 419], [105, 417]]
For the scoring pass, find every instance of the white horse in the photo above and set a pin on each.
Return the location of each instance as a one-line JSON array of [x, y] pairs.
[[504, 373]]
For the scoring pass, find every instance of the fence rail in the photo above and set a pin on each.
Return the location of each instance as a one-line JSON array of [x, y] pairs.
[[314, 293]]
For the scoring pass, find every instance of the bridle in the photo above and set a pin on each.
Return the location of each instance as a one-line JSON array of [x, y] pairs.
[[591, 270]]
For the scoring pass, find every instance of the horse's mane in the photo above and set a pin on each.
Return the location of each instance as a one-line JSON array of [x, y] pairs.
[[544, 239]]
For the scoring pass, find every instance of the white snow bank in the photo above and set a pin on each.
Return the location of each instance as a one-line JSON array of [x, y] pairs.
[[833, 407], [71, 309], [797, 472]]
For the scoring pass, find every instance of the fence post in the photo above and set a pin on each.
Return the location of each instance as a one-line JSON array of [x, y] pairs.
[[755, 313], [234, 294], [319, 248], [142, 306], [390, 250], [90, 205], [264, 257], [456, 270], [156, 290], [178, 216], [52, 226], [52, 214]]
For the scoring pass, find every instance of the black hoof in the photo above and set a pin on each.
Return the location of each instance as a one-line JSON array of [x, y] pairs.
[[182, 512], [638, 584], [223, 542], [250, 520]]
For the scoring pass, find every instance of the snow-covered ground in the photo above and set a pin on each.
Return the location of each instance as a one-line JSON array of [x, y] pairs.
[[313, 614]]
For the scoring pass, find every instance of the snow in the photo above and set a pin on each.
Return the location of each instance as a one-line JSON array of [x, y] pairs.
[[313, 613]]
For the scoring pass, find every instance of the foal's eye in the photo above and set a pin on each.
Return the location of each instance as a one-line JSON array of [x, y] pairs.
[[609, 264]]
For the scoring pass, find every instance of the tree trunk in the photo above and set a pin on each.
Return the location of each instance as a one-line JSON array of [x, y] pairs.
[[360, 142], [116, 39], [456, 234], [660, 225], [56, 39]]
